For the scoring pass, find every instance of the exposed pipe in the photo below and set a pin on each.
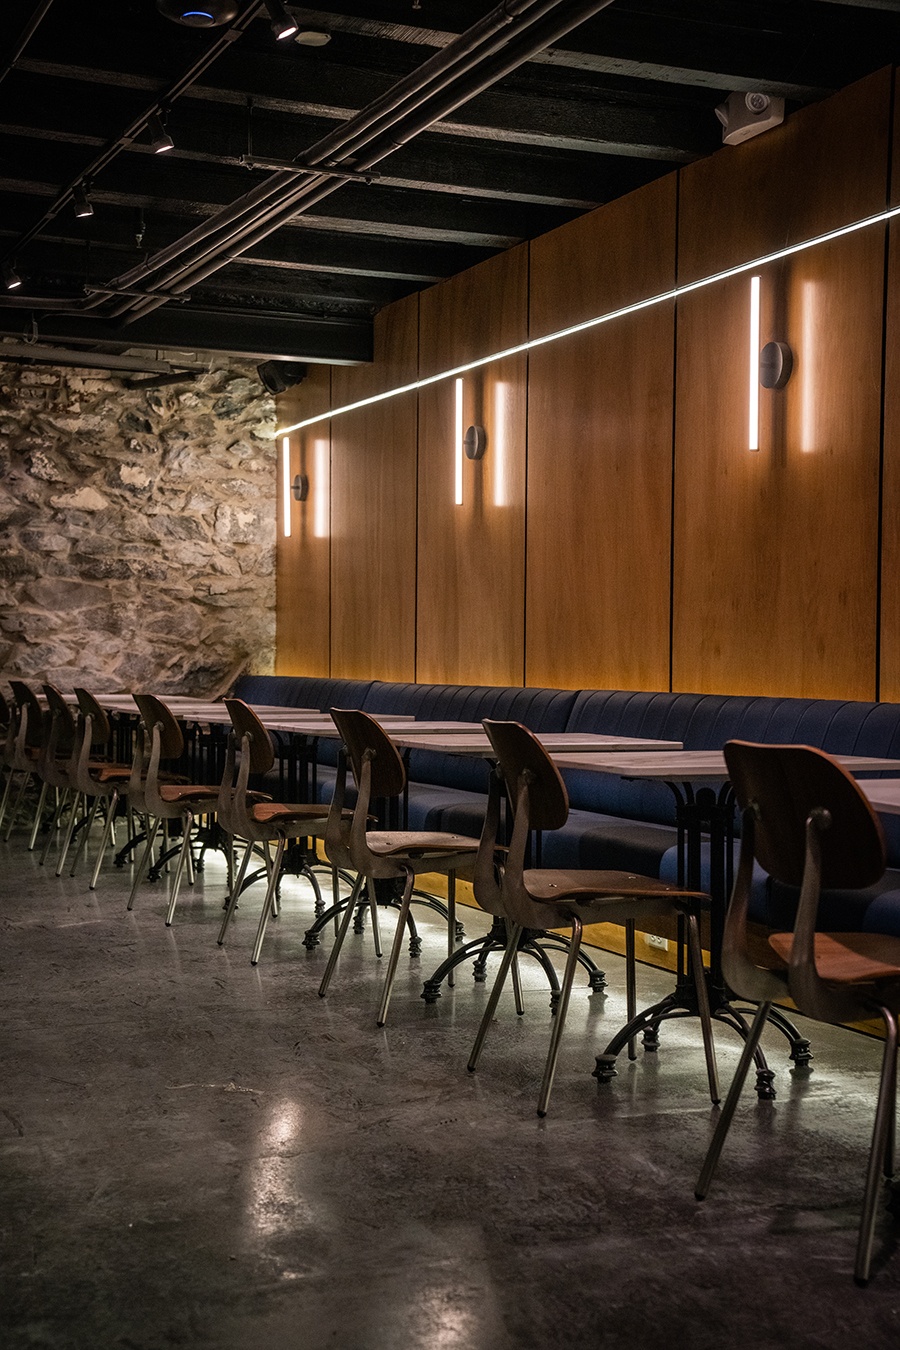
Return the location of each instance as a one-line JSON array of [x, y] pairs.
[[544, 25], [131, 132], [466, 48], [28, 33]]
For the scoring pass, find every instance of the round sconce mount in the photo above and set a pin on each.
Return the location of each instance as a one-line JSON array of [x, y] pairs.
[[475, 442], [300, 487], [776, 361]]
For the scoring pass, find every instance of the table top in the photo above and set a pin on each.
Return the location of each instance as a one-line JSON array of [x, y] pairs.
[[574, 743], [694, 765], [883, 794], [202, 710]]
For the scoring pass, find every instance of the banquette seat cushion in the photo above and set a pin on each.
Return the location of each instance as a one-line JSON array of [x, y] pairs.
[[613, 823]]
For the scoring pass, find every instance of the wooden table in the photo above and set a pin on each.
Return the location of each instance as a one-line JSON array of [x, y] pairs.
[[577, 744]]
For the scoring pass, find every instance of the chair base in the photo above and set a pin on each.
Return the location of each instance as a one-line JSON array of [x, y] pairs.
[[683, 1003], [534, 942]]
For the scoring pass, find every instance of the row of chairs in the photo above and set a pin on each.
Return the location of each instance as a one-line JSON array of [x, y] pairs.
[[802, 818]]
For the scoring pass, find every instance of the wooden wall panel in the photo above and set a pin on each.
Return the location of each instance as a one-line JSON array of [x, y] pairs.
[[889, 684], [823, 168], [776, 552], [600, 450], [303, 591], [471, 558], [373, 546]]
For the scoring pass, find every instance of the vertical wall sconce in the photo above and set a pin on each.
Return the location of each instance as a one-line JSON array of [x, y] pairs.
[[286, 486], [753, 412], [470, 443], [770, 368], [320, 490], [498, 444], [458, 444], [807, 382]]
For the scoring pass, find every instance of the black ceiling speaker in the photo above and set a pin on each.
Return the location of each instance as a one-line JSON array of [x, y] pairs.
[[277, 376], [200, 13]]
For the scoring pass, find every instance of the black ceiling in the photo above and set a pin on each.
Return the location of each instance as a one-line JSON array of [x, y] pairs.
[[523, 142]]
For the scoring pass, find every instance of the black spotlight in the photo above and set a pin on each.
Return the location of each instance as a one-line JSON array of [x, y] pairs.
[[201, 14], [277, 376]]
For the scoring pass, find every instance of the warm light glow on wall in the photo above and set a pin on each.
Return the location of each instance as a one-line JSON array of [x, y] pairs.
[[499, 445], [753, 411], [458, 445], [807, 366], [320, 490], [286, 486]]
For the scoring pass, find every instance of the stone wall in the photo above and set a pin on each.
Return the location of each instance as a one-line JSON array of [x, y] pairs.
[[137, 529]]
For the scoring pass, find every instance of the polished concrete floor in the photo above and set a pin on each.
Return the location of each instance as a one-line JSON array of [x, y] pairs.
[[199, 1153]]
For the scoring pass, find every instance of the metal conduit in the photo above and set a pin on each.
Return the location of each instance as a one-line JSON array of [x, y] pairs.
[[114, 148], [28, 33], [431, 107], [464, 53]]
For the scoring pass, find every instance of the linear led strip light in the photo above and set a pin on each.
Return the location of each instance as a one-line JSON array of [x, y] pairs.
[[674, 294], [286, 486]]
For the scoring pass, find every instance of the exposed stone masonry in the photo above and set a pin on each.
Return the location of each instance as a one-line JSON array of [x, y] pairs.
[[137, 529]]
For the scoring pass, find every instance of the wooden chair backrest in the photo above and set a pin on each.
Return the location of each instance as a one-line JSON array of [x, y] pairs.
[[519, 752], [784, 785], [361, 734], [246, 723]]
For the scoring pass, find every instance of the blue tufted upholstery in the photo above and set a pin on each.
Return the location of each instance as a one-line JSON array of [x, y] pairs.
[[614, 823]]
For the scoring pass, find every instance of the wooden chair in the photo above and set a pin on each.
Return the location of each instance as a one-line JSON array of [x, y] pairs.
[[808, 824], [160, 801], [31, 725], [257, 820], [384, 854], [549, 898], [99, 778], [54, 769]]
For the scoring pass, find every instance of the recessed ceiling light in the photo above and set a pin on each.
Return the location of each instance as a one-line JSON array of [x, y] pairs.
[[311, 39]]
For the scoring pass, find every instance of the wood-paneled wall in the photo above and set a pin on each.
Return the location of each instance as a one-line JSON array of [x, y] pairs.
[[373, 519], [303, 561], [471, 572], [619, 532], [600, 450]]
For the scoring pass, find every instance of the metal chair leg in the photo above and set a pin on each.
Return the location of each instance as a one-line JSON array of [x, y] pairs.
[[451, 925], [145, 859], [395, 948], [54, 825], [877, 1154], [108, 830], [85, 834], [517, 983], [268, 903], [73, 817], [342, 933], [26, 779], [709, 1049], [187, 822], [36, 823], [630, 985], [514, 932], [6, 793], [734, 1092], [560, 1020], [235, 892]]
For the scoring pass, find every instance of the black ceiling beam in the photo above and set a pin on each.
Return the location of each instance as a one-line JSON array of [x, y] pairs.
[[599, 124], [257, 337]]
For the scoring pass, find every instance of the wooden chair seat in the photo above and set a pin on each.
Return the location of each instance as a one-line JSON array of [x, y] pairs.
[[283, 813], [417, 843], [549, 886], [848, 958]]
